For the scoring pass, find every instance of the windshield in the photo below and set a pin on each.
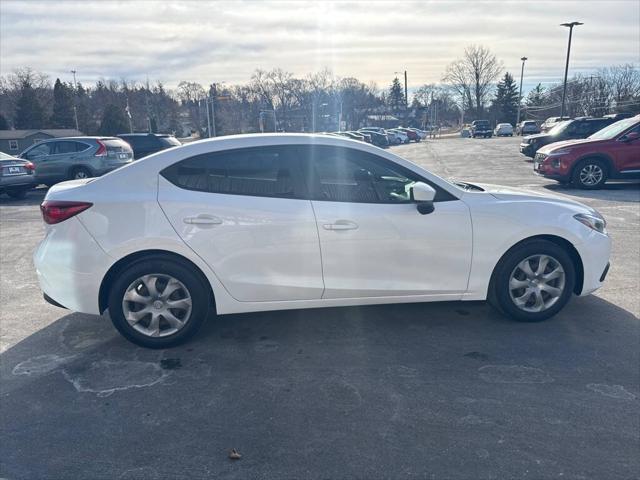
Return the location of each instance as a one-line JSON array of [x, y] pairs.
[[559, 127], [614, 129]]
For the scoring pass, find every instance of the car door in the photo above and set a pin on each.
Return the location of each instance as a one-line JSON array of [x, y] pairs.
[[373, 240], [62, 158], [39, 155], [247, 214], [626, 153]]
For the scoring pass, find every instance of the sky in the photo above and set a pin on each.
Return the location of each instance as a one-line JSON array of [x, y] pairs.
[[227, 41]]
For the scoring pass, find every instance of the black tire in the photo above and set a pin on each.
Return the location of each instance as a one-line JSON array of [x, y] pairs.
[[18, 193], [192, 280], [499, 295], [581, 179], [77, 173]]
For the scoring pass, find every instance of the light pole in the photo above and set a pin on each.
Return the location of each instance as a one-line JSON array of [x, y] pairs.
[[524, 59], [566, 67], [75, 92]]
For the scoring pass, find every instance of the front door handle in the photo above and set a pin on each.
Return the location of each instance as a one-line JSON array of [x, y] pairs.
[[341, 225], [202, 220]]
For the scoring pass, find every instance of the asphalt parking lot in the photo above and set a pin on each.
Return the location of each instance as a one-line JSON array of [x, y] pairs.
[[448, 390]]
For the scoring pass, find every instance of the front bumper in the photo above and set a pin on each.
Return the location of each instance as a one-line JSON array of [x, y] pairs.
[[595, 254], [527, 149]]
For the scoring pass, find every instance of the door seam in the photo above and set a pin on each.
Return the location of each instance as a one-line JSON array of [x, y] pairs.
[[315, 217]]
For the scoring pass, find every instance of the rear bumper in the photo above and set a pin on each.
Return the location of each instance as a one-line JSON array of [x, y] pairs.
[[70, 266], [19, 181]]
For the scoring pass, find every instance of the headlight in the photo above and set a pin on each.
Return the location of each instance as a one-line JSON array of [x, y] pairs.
[[558, 152], [594, 221]]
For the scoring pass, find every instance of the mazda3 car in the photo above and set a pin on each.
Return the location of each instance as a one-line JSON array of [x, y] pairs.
[[283, 221]]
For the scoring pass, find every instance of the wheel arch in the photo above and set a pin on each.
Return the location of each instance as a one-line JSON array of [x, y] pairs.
[[73, 168], [595, 156], [120, 265], [561, 242]]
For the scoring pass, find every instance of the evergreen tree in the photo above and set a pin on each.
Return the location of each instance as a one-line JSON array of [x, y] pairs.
[[505, 103], [4, 125], [536, 97], [113, 121], [29, 112], [85, 123], [62, 116], [396, 95]]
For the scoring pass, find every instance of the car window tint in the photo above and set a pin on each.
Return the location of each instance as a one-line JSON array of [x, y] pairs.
[[348, 175], [263, 172], [40, 150], [64, 147]]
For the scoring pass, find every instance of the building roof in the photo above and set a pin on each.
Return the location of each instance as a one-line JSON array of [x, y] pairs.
[[54, 132]]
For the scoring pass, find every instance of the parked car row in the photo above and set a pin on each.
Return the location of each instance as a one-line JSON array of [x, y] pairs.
[[71, 158], [612, 152], [565, 130], [382, 137]]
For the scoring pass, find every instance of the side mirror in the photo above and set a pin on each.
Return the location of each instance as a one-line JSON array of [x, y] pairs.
[[630, 137], [423, 195]]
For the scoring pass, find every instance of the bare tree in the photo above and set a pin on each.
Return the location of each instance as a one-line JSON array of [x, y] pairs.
[[473, 76]]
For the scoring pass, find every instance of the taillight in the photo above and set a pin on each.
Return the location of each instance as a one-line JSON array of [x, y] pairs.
[[58, 211], [102, 149], [30, 166]]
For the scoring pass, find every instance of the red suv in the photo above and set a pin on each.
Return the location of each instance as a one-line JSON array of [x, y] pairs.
[[611, 153]]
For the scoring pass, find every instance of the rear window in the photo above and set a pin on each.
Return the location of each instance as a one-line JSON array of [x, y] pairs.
[[116, 144]]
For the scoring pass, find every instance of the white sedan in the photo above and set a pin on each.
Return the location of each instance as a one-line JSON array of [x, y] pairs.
[[269, 222]]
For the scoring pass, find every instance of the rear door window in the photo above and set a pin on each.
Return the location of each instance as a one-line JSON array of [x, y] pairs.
[[261, 172], [64, 147]]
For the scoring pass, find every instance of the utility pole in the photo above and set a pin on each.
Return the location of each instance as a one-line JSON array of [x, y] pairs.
[[206, 105], [570, 25], [406, 94], [524, 59], [75, 93]]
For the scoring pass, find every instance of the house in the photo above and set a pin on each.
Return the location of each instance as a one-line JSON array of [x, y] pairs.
[[15, 141]]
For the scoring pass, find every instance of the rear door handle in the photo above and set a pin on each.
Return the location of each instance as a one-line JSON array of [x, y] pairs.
[[341, 225], [202, 219]]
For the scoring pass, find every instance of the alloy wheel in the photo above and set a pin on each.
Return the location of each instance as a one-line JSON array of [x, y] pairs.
[[536, 283], [591, 174], [157, 305]]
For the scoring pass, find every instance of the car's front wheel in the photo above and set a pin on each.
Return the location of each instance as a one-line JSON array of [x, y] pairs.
[[158, 302], [533, 281], [590, 174]]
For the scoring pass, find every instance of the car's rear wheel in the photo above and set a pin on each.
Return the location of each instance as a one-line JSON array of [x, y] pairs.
[[78, 173], [158, 303], [590, 174], [533, 281]]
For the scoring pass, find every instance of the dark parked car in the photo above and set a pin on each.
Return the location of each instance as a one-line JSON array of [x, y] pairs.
[[567, 130], [611, 153], [16, 176], [70, 158], [378, 139], [481, 128], [144, 144]]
